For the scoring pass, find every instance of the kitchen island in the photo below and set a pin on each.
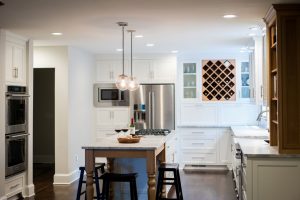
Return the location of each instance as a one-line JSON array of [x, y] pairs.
[[264, 174], [152, 148]]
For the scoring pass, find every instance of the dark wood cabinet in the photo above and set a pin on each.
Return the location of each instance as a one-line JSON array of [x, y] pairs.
[[283, 33]]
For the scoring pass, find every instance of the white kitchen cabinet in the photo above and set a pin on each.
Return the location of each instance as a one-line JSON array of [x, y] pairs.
[[15, 59], [204, 146], [271, 178], [111, 118], [155, 70], [225, 146], [108, 70], [198, 114], [14, 185]]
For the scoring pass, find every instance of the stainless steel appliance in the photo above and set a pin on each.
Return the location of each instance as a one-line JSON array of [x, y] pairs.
[[154, 106], [16, 151], [107, 94], [158, 132], [16, 109]]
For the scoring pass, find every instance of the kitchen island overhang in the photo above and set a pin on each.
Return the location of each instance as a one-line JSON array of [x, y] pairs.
[[152, 148]]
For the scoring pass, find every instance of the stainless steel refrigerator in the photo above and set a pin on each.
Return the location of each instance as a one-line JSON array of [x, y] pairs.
[[153, 106]]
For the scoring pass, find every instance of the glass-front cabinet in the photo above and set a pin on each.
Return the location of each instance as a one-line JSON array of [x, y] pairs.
[[245, 80], [189, 80]]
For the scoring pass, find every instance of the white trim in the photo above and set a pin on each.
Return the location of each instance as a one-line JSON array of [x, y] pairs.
[[29, 191], [66, 179]]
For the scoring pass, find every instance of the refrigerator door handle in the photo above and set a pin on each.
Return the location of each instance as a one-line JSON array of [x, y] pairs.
[[150, 110], [153, 110]]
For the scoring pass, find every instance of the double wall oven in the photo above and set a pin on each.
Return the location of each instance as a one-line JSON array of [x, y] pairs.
[[16, 123]]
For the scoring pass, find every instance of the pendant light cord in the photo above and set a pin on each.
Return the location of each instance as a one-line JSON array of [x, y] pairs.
[[123, 48], [131, 54]]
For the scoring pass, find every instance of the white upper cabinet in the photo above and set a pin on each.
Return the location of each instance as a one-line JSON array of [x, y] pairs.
[[15, 59], [109, 70], [154, 70], [164, 70], [142, 70]]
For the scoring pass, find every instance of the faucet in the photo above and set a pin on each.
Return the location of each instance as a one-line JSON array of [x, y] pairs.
[[260, 115]]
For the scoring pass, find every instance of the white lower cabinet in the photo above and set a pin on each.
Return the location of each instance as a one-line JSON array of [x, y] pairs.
[[14, 185], [111, 118], [204, 146], [271, 179]]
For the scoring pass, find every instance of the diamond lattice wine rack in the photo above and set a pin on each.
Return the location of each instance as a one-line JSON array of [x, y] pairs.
[[218, 80]]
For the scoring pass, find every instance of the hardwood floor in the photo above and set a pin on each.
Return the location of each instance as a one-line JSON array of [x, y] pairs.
[[195, 186]]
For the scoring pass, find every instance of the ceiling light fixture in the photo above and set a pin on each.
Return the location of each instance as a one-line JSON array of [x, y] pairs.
[[122, 80], [139, 36], [229, 16], [149, 45], [56, 33], [119, 50], [174, 51], [252, 34], [132, 83]]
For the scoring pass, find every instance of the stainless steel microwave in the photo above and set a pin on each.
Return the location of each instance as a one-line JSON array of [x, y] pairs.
[[107, 94]]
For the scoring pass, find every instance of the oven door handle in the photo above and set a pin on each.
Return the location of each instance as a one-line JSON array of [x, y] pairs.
[[17, 95], [17, 136]]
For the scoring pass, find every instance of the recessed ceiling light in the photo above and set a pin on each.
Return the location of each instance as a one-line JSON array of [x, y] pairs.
[[252, 34], [119, 50], [174, 51], [149, 45], [56, 33], [139, 36], [229, 16]]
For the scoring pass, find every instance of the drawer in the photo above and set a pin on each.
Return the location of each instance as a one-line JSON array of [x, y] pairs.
[[200, 158], [199, 143], [13, 186], [199, 133]]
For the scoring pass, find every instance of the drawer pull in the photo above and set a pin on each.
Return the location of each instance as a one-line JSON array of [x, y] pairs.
[[14, 186], [197, 143], [201, 158], [198, 132]]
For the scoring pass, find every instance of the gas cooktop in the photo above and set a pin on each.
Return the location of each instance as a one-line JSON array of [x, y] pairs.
[[163, 132]]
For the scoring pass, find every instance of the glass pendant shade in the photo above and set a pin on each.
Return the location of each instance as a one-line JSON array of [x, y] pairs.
[[133, 84], [122, 82]]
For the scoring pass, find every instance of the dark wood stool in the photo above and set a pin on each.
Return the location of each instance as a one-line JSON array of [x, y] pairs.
[[114, 177], [99, 167], [162, 180]]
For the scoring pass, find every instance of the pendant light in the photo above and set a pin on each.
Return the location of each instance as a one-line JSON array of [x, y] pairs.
[[132, 83], [122, 80]]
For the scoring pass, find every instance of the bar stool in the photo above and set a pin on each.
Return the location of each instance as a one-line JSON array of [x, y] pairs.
[[114, 177], [99, 167], [162, 180]]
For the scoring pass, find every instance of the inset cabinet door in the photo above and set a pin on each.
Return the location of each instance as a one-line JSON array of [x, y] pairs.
[[15, 63]]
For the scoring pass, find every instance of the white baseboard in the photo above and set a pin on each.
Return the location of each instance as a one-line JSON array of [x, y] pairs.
[[43, 159], [66, 179], [29, 191]]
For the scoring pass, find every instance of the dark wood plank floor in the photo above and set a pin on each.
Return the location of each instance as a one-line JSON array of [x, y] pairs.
[[195, 185]]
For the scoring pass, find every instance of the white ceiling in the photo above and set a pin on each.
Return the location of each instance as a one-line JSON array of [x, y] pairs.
[[189, 26]]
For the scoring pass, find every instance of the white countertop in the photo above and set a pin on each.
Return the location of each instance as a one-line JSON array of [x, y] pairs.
[[148, 142], [249, 132], [258, 148]]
